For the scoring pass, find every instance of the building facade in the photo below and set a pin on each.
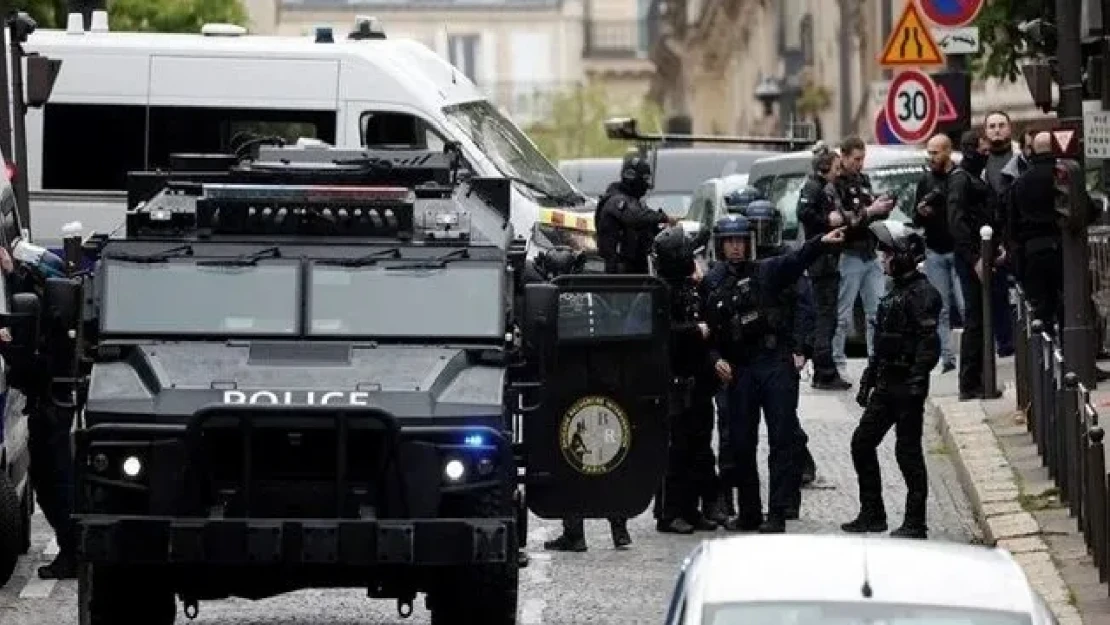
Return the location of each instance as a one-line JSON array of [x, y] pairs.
[[753, 66]]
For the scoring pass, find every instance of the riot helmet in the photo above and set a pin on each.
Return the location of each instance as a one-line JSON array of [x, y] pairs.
[[635, 174], [672, 254], [738, 200], [902, 246], [562, 260], [765, 222], [732, 227]]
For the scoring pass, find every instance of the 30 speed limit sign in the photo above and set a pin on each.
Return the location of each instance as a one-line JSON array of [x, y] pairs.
[[911, 106]]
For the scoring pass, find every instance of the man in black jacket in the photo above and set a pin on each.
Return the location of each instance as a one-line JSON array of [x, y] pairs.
[[625, 226], [967, 203], [1035, 233], [820, 212], [931, 214]]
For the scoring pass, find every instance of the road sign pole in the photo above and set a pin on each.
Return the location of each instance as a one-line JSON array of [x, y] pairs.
[[1078, 334]]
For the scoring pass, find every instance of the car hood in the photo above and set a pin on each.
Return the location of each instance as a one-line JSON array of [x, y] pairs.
[[175, 380]]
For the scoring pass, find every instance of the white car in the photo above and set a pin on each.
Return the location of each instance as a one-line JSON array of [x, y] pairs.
[[835, 579]]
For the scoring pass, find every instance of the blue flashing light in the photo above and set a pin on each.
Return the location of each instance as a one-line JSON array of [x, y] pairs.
[[474, 440]]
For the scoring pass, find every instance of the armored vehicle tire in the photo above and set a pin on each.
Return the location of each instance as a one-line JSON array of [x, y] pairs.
[[118, 595], [11, 528], [484, 594]]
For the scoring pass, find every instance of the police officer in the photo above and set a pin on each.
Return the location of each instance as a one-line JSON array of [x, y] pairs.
[[820, 211], [894, 385], [625, 226], [690, 475], [749, 313], [766, 223], [49, 425], [547, 266]]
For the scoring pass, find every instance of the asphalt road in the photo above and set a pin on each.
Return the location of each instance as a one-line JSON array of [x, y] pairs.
[[601, 586]]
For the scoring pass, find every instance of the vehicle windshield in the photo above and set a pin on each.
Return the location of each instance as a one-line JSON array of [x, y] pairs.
[[459, 300], [181, 297], [784, 193], [856, 613], [674, 204], [510, 151]]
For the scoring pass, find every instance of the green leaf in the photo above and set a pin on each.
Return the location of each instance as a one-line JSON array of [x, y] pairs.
[[575, 127], [1004, 47]]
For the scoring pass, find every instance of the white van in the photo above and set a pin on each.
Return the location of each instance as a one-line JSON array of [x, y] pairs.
[[126, 101]]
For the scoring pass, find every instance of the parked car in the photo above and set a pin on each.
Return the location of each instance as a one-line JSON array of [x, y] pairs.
[[835, 579]]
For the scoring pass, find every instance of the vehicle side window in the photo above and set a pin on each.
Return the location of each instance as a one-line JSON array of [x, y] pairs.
[[116, 139], [701, 207], [764, 184], [383, 130]]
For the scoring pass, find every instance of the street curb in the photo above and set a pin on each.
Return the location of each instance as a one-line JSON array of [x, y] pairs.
[[989, 481]]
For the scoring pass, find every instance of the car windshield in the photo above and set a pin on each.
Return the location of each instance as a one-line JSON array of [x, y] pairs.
[[784, 193], [458, 300], [856, 613], [182, 297], [510, 151], [674, 204]]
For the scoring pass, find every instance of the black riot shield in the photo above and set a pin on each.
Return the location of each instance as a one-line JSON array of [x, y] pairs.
[[596, 447]]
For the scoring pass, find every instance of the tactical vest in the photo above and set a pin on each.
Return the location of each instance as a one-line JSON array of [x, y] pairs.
[[893, 323], [750, 318]]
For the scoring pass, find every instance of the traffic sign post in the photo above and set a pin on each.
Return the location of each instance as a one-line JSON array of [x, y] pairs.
[[951, 13], [911, 43], [912, 107]]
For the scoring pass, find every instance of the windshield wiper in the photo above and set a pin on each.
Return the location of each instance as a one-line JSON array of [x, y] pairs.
[[244, 260], [156, 257], [361, 261], [568, 199], [439, 262]]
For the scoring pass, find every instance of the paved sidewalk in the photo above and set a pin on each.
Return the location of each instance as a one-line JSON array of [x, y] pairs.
[[1017, 505]]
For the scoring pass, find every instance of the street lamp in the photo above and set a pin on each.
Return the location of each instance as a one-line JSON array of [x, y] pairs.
[[768, 92]]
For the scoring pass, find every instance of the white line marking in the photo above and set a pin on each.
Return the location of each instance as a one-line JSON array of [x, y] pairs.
[[51, 548], [38, 588]]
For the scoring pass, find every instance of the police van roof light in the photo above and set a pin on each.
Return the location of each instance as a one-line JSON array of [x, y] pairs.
[[75, 24], [99, 22], [324, 34], [367, 27], [222, 30]]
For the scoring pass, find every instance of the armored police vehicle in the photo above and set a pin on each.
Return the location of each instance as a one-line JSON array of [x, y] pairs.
[[309, 370]]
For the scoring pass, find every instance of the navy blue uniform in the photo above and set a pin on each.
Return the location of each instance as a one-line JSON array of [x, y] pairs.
[[763, 373]]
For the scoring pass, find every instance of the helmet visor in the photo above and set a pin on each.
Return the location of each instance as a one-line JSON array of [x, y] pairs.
[[766, 231]]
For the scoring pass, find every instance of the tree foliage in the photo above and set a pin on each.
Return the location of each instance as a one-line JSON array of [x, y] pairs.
[[170, 16], [1004, 46], [575, 128]]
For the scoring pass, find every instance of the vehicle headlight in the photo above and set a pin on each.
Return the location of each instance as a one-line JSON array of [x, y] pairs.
[[132, 466], [454, 470]]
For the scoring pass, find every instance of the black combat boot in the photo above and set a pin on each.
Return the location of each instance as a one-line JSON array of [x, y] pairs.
[[64, 566], [911, 530], [674, 526], [866, 522], [774, 524], [713, 510], [566, 543], [619, 529]]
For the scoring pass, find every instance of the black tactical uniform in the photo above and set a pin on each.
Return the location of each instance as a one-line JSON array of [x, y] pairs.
[[1035, 235], [894, 385], [625, 226], [817, 200], [691, 475]]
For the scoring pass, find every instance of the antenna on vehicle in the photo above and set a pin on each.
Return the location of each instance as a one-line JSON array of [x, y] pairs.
[[866, 590], [447, 37]]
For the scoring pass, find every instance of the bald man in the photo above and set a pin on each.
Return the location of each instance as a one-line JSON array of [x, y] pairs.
[[1035, 234], [930, 214]]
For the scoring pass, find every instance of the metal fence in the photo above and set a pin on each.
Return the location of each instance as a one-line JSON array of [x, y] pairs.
[[1065, 425]]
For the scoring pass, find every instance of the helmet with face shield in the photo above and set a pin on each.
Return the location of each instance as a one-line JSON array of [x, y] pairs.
[[765, 222]]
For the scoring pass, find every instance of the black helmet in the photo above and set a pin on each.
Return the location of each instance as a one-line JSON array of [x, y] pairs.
[[561, 260], [635, 173], [765, 222], [738, 200], [672, 252], [903, 243]]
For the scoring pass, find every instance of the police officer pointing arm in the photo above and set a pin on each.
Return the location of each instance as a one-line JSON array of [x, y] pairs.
[[749, 313]]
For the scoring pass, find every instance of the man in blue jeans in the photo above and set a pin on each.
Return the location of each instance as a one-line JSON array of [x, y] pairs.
[[930, 214], [861, 276]]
